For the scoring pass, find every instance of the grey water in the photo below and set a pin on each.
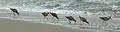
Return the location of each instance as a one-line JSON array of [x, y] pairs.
[[30, 10]]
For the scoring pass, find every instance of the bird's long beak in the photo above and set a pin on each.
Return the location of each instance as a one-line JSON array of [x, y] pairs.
[[111, 19]]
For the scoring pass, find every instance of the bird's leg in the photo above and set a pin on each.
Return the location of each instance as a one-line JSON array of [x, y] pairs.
[[81, 23], [101, 24], [106, 23], [53, 19], [14, 14], [44, 18], [47, 18], [111, 19], [57, 20], [75, 22], [69, 22]]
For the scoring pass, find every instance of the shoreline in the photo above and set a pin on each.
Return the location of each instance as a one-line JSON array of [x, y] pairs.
[[8, 25], [27, 19]]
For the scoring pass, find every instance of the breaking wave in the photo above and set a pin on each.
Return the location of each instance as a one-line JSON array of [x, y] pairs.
[[94, 8]]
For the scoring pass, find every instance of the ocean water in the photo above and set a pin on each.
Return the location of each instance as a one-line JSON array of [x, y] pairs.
[[30, 10], [36, 17]]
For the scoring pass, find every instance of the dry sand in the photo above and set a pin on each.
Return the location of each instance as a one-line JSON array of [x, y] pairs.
[[7, 25]]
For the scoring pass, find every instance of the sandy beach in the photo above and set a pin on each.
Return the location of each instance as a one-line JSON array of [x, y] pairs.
[[33, 23], [7, 25], [102, 15]]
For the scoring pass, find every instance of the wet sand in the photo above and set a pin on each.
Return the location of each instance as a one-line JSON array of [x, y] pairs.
[[7, 25]]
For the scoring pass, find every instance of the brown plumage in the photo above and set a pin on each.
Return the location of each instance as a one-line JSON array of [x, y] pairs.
[[70, 18], [83, 19], [105, 18], [45, 14], [54, 15]]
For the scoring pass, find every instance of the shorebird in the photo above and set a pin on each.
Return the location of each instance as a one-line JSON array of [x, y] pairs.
[[70, 18], [54, 15], [105, 19], [50, 13], [83, 19], [45, 14], [14, 11]]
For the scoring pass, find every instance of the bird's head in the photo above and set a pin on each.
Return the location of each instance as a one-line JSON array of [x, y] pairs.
[[11, 8], [109, 17]]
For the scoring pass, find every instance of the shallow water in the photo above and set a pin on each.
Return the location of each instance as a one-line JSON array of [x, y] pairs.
[[36, 17], [30, 10]]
